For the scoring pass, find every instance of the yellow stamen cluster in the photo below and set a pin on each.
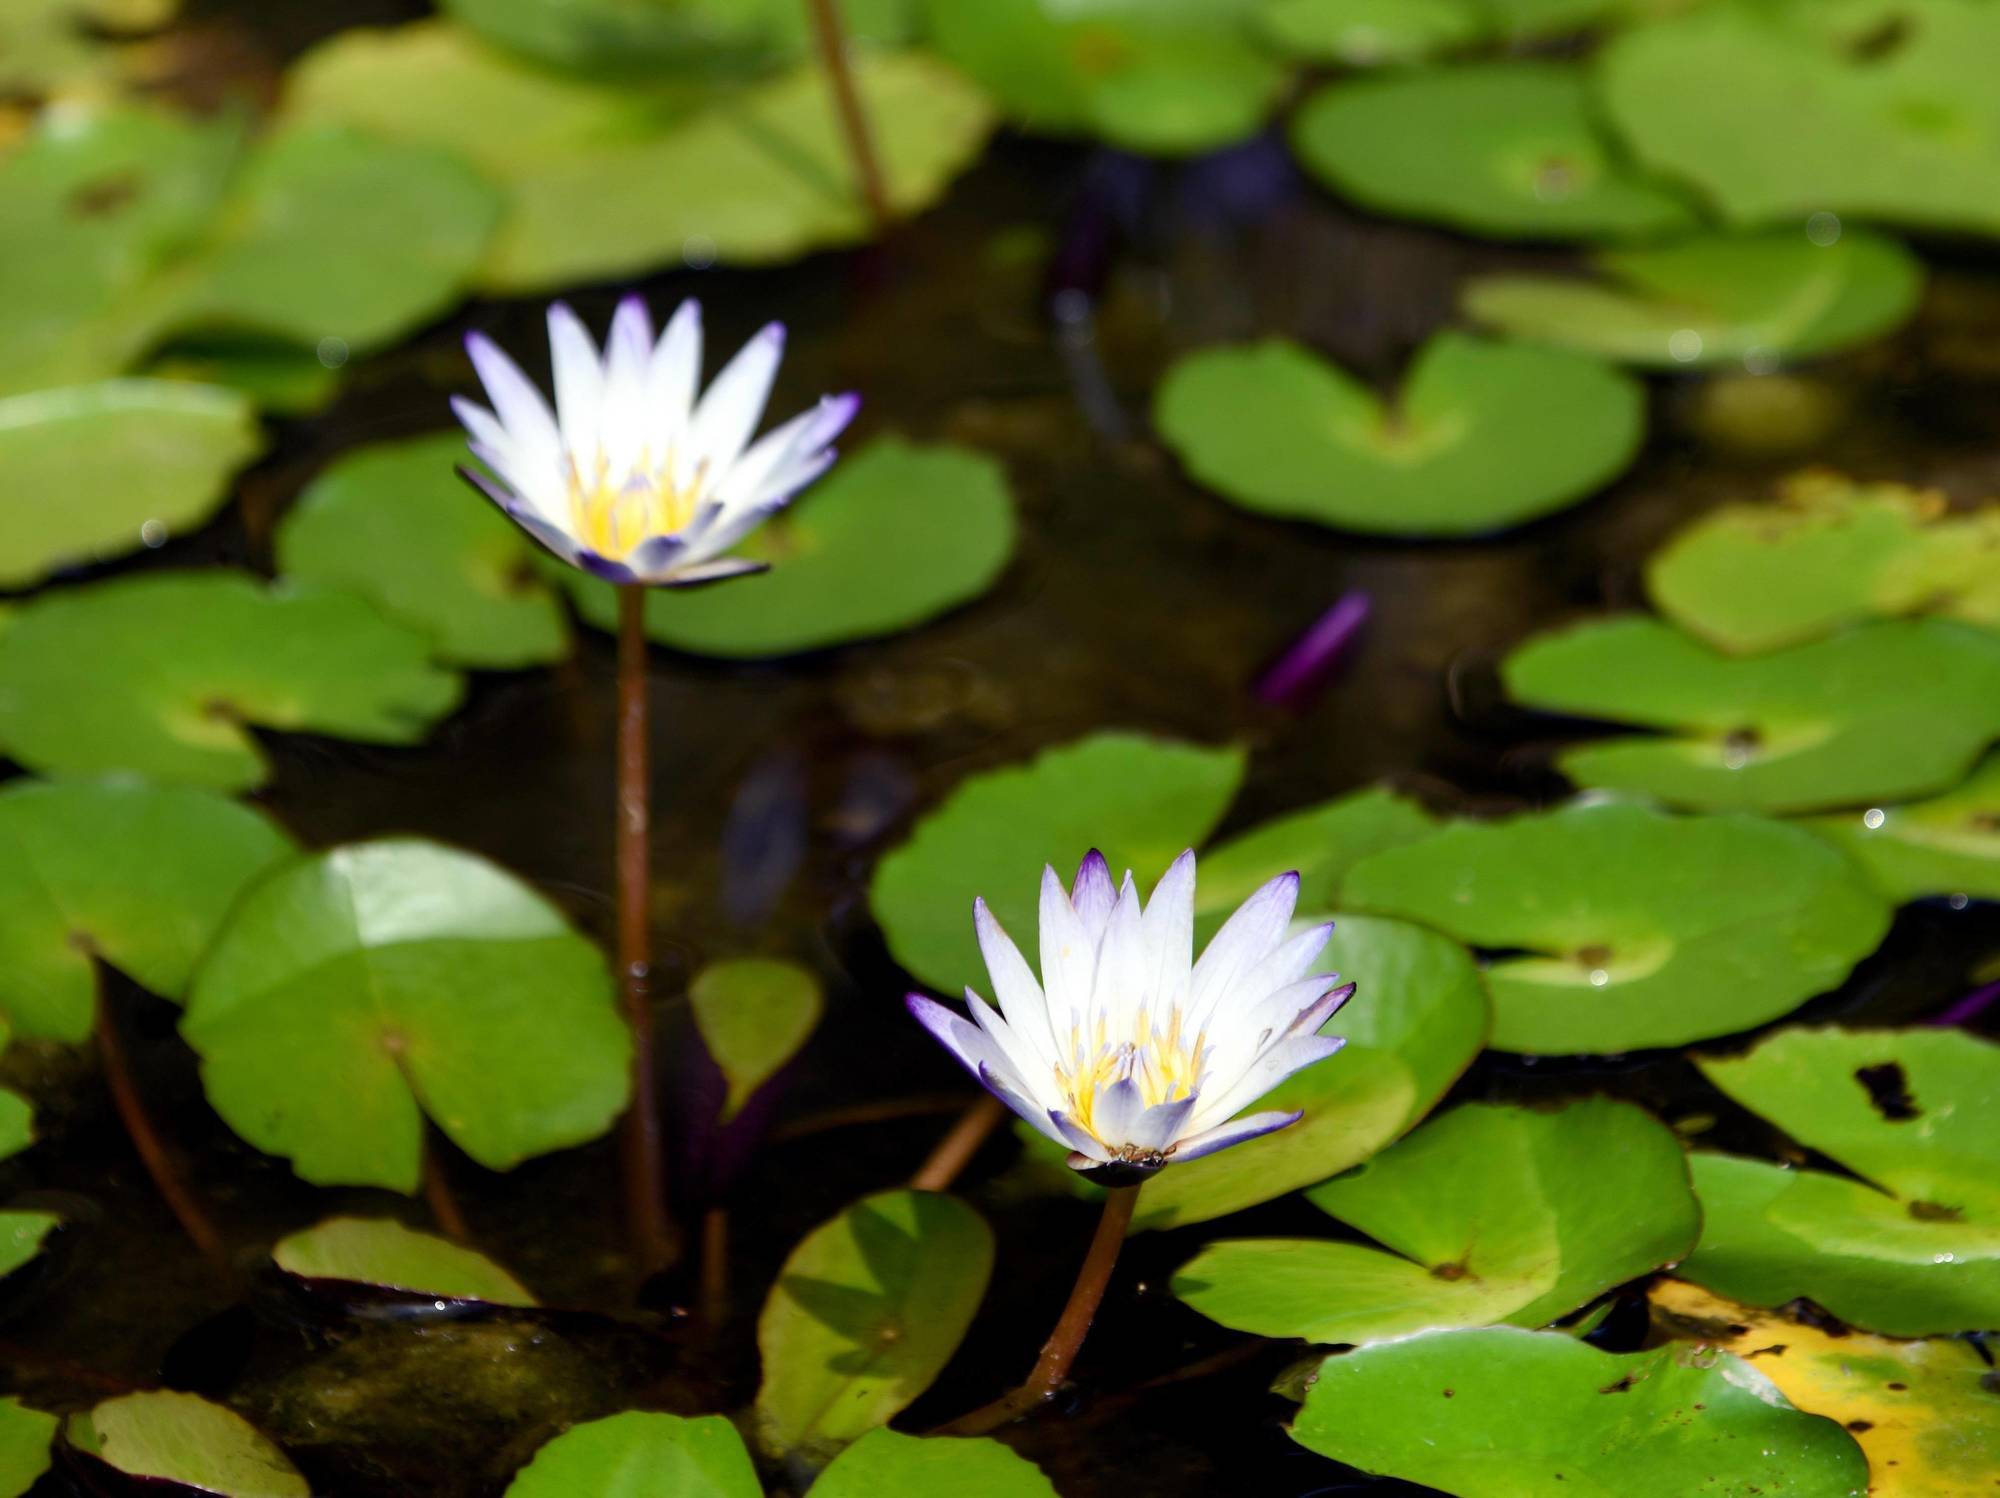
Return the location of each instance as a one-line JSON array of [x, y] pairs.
[[1166, 1066], [614, 518]]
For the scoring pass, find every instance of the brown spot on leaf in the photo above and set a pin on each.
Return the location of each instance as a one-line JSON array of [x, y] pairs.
[[1888, 1087], [104, 196]]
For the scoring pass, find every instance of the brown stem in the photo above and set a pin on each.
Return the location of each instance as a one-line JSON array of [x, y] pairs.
[[439, 1198], [831, 34], [715, 1267], [645, 1169], [1066, 1341], [955, 1151]]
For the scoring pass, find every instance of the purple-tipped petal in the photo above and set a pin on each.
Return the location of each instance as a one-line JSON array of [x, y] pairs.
[[703, 574], [604, 567], [1093, 894], [552, 539], [956, 1034], [1078, 1139], [1236, 1131]]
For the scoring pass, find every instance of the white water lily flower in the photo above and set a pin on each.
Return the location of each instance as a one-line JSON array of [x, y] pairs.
[[632, 477], [1128, 1051]]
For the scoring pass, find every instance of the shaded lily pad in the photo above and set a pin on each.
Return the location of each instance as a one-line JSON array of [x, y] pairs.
[[358, 991], [22, 1235], [894, 536], [92, 472], [181, 663], [626, 36], [1367, 33], [1947, 845], [24, 1445], [1883, 712], [1320, 844], [1496, 148], [383, 1253], [17, 1114], [1911, 1248], [1711, 299], [866, 1312], [1483, 435], [1503, 1413], [1488, 1215], [641, 1454], [164, 1436], [1830, 553], [754, 1014], [138, 876], [277, 377], [393, 524], [884, 1464], [1625, 927]]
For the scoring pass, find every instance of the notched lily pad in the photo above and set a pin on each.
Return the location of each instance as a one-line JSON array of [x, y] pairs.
[[754, 1014], [642, 1454], [383, 1254], [1947, 845], [180, 1439], [884, 1464], [25, 1435], [1483, 435]]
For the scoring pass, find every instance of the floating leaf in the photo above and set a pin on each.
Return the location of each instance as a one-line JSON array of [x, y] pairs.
[[1484, 434], [1883, 712], [1711, 299], [1948, 845], [1503, 1413], [1319, 844], [279, 377], [1489, 1214], [181, 662], [24, 1446], [625, 36], [1911, 1248], [22, 1235], [393, 523], [641, 1454], [884, 1464], [1830, 553], [754, 1014], [894, 536], [138, 876], [178, 1438], [17, 1114], [1640, 929], [866, 1312], [69, 46], [357, 992], [1497, 148], [1366, 33], [379, 1252]]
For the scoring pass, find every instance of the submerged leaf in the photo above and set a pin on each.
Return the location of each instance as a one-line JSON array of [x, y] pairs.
[[753, 1014], [1946, 845], [379, 1252], [178, 1438], [641, 1454], [883, 1464]]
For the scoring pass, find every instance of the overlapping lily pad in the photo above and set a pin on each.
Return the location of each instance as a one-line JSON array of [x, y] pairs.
[[357, 992], [705, 37], [394, 524], [754, 1014], [168, 1437], [1367, 33], [383, 1254], [1500, 148], [884, 1464], [1320, 844], [866, 1312], [1503, 1413], [278, 377], [181, 664], [21, 1235], [894, 536], [642, 1454], [1621, 927], [24, 1446], [1883, 712], [1947, 845], [1712, 299], [17, 1114], [1487, 1215], [1913, 1246]]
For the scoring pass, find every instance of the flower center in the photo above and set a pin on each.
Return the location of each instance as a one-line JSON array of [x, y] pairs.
[[614, 517], [1165, 1065]]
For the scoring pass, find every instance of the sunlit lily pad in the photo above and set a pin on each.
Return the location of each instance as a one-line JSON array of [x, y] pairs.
[[702, 36], [1320, 844], [1913, 1246], [61, 47], [754, 1014], [91, 472], [1482, 436], [1503, 1413], [24, 1445], [895, 535], [382, 1253], [1712, 299], [1883, 712], [1621, 927], [180, 664], [180, 1438], [1499, 148], [642, 1454], [884, 1464], [394, 524], [1367, 33], [1947, 845], [1486, 1215], [357, 992], [866, 1312], [1830, 553]]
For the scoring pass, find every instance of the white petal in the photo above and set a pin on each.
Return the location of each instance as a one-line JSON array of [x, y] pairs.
[[1069, 962], [1022, 1058], [1078, 1139], [1093, 894], [1014, 984], [733, 405], [1169, 931], [1224, 1135], [673, 374], [1219, 1101], [579, 387], [1121, 983], [532, 439], [1161, 1124], [628, 434], [1245, 940]]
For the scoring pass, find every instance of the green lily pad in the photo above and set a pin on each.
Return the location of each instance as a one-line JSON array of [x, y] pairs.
[[382, 1253], [1883, 712], [356, 992], [894, 536], [138, 876], [1496, 148], [24, 1446], [884, 1464], [1369, 33], [1488, 1215], [92, 472], [641, 1454], [1831, 553], [1172, 78], [277, 377], [1947, 845], [392, 523], [17, 1114], [181, 664], [69, 46], [753, 1014], [629, 36], [1483, 435], [1320, 844], [1639, 928], [22, 1235], [866, 1312], [1140, 800], [181, 1438], [1711, 299], [1776, 112], [1911, 1248], [1502, 1413]]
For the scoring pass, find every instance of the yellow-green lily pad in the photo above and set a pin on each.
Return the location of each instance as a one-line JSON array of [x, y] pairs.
[[383, 1254], [24, 1444], [1945, 845], [642, 1454], [168, 1437]]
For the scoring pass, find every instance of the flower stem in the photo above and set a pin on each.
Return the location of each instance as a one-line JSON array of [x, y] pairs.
[[438, 1196], [645, 1168], [831, 34], [955, 1151], [1066, 1341]]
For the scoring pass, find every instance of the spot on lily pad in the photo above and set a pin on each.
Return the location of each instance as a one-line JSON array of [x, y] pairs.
[[383, 1254]]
